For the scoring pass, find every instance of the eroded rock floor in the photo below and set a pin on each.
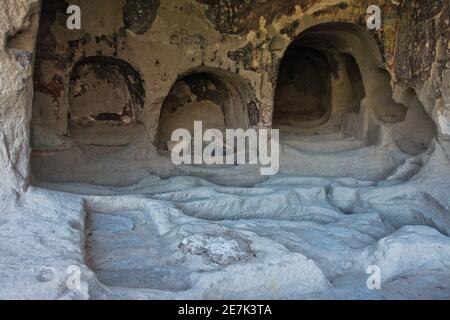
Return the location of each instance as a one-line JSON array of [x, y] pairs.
[[287, 237]]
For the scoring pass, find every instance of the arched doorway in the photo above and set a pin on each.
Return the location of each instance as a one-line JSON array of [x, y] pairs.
[[303, 93], [218, 98], [105, 97], [330, 81]]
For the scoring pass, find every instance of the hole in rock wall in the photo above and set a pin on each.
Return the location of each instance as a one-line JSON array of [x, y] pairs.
[[105, 96], [216, 98], [415, 134], [302, 96], [84, 99], [326, 76]]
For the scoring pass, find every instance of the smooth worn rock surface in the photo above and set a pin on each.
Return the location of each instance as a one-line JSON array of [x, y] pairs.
[[145, 241]]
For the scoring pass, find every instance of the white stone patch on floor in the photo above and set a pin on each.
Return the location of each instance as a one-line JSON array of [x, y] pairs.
[[220, 249]]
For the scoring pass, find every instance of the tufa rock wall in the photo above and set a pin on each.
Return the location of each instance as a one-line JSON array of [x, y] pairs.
[[18, 27]]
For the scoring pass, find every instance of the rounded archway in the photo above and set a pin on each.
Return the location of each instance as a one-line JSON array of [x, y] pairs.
[[328, 74], [105, 97], [302, 96], [218, 98]]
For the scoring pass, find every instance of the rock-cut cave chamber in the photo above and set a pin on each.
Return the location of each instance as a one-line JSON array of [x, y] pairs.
[[216, 97], [96, 112], [108, 97]]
